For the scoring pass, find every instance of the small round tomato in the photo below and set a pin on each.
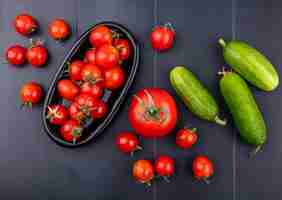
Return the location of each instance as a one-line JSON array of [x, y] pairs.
[[96, 90], [67, 89], [91, 73], [71, 131], [127, 142], [57, 114], [143, 171], [31, 93], [75, 69], [107, 56], [164, 166], [186, 138], [90, 56], [59, 29], [37, 54], [101, 35], [16, 55], [113, 78], [153, 112], [25, 24], [100, 109], [162, 37], [202, 168], [124, 48]]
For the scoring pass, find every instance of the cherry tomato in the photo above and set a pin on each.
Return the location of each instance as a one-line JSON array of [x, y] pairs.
[[91, 73], [25, 24], [16, 55], [162, 37], [59, 29], [90, 56], [37, 54], [127, 142], [164, 166], [202, 168], [124, 48], [71, 131], [113, 78], [101, 35], [57, 114], [75, 69], [153, 112], [96, 90], [100, 109], [107, 56], [31, 93], [186, 138], [143, 171], [82, 107], [67, 89]]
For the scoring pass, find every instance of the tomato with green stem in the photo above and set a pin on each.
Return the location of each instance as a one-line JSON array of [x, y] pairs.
[[31, 93], [162, 37], [186, 138], [96, 90], [127, 142], [57, 114], [202, 168], [16, 55], [71, 131], [153, 112], [123, 47], [143, 171], [37, 54], [165, 166], [91, 73], [25, 24]]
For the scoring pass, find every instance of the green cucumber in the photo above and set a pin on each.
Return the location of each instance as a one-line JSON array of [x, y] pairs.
[[250, 64], [195, 96], [242, 105]]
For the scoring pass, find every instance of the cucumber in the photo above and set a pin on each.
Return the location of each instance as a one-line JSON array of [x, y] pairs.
[[242, 105], [195, 96], [250, 64]]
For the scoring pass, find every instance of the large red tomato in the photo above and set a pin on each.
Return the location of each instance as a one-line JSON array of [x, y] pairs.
[[153, 112]]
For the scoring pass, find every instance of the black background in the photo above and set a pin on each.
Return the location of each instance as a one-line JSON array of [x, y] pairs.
[[34, 167]]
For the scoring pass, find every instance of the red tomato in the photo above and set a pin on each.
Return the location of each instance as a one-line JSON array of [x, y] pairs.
[[186, 138], [82, 107], [75, 69], [124, 48], [16, 55], [153, 112], [100, 109], [67, 89], [59, 29], [71, 131], [31, 93], [37, 54], [164, 166], [96, 90], [107, 56], [143, 171], [91, 73], [90, 56], [162, 37], [127, 142], [202, 168], [101, 35], [25, 24], [57, 114], [113, 78]]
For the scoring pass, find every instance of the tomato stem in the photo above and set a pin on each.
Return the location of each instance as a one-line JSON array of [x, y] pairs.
[[166, 178], [207, 181]]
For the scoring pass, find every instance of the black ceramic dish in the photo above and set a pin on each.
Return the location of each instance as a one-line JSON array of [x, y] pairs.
[[113, 98]]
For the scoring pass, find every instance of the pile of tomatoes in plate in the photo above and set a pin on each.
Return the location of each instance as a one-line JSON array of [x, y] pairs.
[[86, 81]]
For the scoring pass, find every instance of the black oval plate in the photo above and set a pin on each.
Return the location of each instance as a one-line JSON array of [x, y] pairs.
[[113, 98]]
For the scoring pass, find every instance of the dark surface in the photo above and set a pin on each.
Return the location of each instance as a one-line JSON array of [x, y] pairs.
[[34, 167]]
